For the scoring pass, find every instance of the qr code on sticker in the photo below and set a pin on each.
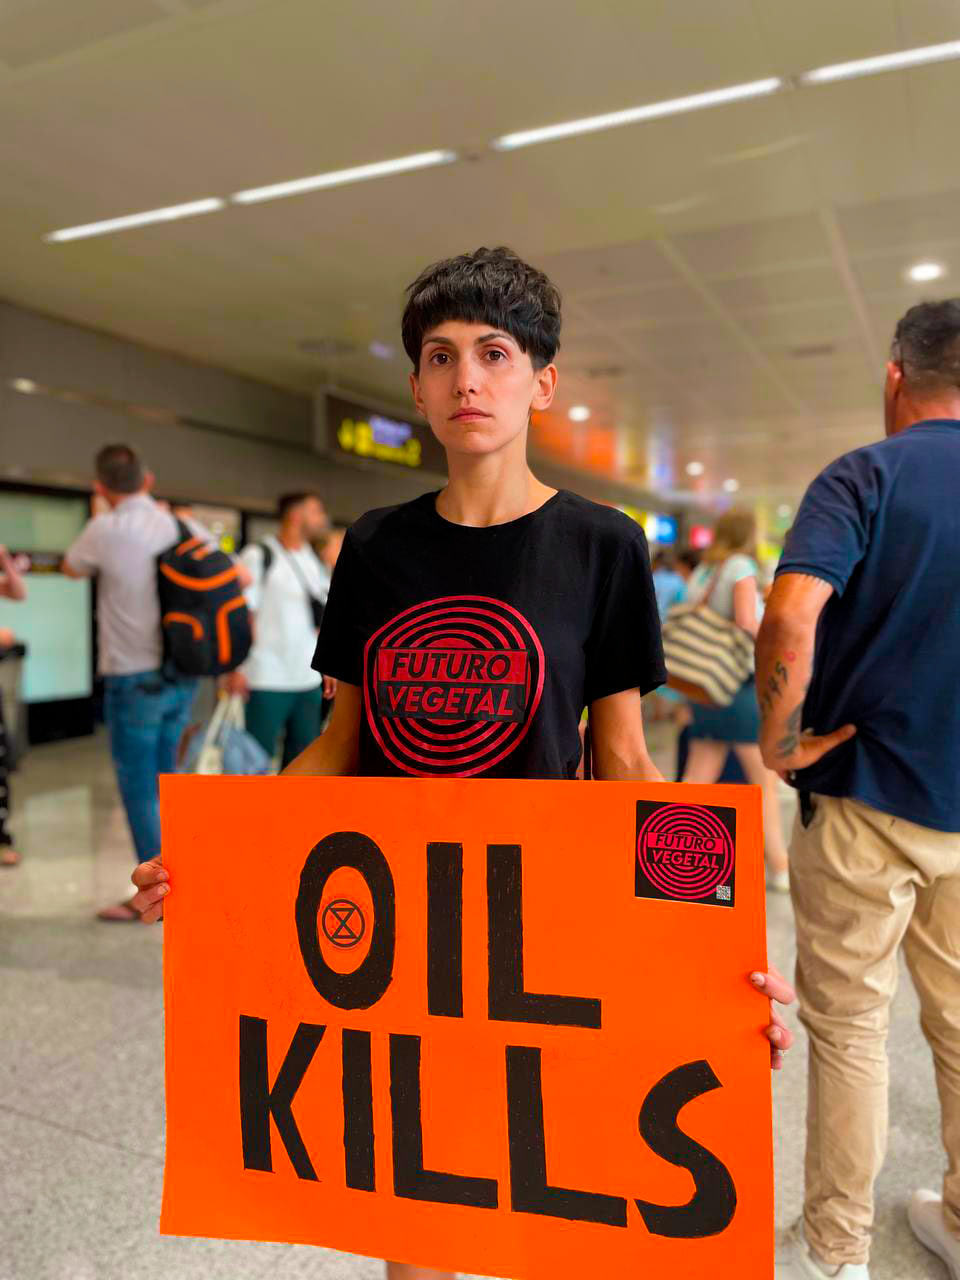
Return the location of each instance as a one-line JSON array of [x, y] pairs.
[[723, 892]]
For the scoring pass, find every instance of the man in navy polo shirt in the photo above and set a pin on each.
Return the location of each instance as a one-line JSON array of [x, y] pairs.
[[857, 663]]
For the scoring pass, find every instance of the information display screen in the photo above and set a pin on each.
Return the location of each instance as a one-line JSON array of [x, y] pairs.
[[367, 433]]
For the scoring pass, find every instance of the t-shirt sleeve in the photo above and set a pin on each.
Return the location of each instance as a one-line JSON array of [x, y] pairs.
[[623, 649], [339, 651], [739, 567], [832, 528], [83, 556]]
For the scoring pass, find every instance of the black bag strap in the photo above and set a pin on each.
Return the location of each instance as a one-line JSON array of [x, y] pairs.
[[267, 551]]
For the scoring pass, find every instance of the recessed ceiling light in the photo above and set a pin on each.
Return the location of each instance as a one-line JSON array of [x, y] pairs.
[[382, 351], [921, 272], [340, 177], [25, 385], [169, 214], [695, 468], [579, 413], [883, 62], [634, 115], [784, 511], [731, 485]]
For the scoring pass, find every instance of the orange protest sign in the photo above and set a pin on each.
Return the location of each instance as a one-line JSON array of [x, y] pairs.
[[493, 1026]]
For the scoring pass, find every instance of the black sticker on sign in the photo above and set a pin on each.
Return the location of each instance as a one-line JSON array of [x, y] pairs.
[[686, 852]]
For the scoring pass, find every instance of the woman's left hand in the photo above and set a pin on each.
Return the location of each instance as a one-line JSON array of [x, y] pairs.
[[775, 985]]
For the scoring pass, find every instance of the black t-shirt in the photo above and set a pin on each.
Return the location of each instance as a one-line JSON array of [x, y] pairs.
[[477, 649]]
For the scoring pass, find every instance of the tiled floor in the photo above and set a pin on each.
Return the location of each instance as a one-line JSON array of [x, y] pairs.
[[81, 1082]]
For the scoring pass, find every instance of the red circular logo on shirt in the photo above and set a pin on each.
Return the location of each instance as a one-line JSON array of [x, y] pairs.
[[451, 685], [685, 851]]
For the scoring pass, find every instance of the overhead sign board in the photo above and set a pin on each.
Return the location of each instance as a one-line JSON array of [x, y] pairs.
[[364, 432]]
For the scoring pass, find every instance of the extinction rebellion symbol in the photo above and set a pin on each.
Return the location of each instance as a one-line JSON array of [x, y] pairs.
[[343, 923], [686, 852]]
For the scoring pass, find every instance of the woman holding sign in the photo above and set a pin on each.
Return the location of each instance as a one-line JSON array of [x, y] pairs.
[[468, 629]]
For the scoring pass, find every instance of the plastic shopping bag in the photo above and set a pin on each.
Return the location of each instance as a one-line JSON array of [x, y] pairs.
[[224, 746]]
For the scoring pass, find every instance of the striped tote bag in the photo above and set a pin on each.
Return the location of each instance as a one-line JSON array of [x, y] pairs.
[[708, 657]]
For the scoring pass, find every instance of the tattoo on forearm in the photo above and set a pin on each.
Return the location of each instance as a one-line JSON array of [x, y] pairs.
[[789, 742], [775, 687]]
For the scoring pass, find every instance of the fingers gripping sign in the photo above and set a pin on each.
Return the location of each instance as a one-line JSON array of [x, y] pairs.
[[775, 985], [153, 884]]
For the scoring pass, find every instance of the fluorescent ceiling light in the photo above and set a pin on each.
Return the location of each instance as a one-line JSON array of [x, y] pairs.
[[381, 350], [341, 177], [883, 62], [922, 272], [169, 214], [579, 413], [731, 485], [25, 385], [634, 115], [695, 468]]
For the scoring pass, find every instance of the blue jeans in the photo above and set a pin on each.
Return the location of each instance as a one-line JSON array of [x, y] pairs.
[[146, 716]]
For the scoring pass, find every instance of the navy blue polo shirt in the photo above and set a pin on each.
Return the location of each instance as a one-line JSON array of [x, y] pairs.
[[881, 525]]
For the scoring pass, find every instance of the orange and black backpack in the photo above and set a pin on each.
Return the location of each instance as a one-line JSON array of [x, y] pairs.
[[203, 613]]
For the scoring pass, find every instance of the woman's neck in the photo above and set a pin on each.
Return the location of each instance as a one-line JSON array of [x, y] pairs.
[[488, 491]]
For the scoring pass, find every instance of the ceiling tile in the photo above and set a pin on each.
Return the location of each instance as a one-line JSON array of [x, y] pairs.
[[791, 327], [772, 243], [811, 284], [589, 271], [893, 225], [54, 27], [665, 304]]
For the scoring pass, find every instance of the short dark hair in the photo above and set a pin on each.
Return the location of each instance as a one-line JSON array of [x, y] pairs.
[[690, 558], [926, 345], [663, 560], [119, 469], [287, 501], [488, 286]]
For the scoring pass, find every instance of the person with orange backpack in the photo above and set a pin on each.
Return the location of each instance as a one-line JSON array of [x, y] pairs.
[[170, 608]]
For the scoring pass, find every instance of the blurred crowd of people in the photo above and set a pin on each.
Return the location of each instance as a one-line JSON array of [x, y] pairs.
[[147, 703]]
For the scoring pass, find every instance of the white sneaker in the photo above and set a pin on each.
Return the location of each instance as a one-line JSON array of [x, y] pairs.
[[779, 881], [926, 1217], [795, 1261]]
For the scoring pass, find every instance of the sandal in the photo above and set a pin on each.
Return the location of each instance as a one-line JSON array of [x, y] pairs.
[[119, 913], [779, 881]]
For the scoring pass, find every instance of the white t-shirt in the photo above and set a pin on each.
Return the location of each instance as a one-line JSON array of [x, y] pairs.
[[121, 549], [284, 637], [731, 571]]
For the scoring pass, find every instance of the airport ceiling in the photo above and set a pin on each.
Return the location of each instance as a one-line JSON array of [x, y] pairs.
[[731, 275]]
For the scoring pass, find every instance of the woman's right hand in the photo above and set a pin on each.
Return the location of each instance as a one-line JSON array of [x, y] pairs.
[[151, 879]]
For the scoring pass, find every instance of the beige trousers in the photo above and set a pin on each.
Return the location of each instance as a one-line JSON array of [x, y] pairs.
[[863, 882]]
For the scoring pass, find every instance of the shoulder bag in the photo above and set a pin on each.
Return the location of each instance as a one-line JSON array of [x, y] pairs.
[[708, 657]]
